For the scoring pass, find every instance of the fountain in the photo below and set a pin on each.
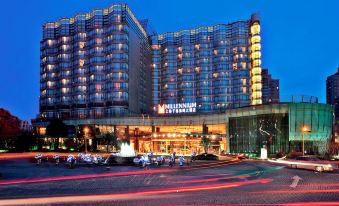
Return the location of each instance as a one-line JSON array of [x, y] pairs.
[[126, 151], [124, 157]]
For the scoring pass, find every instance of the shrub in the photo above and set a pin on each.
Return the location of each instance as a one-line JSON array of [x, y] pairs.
[[206, 156], [280, 154], [294, 154]]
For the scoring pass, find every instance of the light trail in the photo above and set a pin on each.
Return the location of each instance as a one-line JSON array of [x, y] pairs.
[[280, 204], [117, 174], [85, 176], [129, 195], [208, 180], [296, 191]]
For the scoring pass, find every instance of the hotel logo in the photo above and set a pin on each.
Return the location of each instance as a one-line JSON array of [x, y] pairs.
[[177, 108]]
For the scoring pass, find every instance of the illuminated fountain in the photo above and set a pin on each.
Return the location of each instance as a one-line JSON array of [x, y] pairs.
[[126, 151], [124, 157]]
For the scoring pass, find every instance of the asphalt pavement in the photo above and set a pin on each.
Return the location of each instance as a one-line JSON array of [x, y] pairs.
[[235, 182]]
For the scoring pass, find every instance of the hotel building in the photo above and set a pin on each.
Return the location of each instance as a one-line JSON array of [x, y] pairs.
[[95, 65], [165, 92], [216, 67]]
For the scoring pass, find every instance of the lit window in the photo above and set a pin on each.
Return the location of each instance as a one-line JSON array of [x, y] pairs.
[[50, 42], [42, 130], [255, 39], [81, 62], [82, 45], [197, 69], [64, 39], [235, 66], [98, 87], [243, 65], [155, 46], [244, 90], [235, 51], [255, 28]]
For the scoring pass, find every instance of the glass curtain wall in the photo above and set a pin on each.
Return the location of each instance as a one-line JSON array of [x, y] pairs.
[[251, 133], [316, 119]]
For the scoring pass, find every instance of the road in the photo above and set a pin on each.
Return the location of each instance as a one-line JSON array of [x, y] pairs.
[[203, 183]]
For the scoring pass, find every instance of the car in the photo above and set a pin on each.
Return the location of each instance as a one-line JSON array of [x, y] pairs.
[[308, 163], [241, 156]]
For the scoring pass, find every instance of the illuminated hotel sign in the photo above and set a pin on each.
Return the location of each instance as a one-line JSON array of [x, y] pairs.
[[177, 108]]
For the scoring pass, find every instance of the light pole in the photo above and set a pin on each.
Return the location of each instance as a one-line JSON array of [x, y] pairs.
[[303, 131], [85, 137]]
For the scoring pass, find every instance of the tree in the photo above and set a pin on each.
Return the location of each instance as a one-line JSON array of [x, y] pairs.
[[9, 128], [111, 139], [24, 141], [57, 128], [205, 142]]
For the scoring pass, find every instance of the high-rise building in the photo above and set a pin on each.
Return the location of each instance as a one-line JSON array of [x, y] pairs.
[[107, 63], [95, 65], [215, 67], [270, 88], [332, 92]]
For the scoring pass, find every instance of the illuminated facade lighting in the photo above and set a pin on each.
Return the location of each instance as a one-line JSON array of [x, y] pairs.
[[256, 79]]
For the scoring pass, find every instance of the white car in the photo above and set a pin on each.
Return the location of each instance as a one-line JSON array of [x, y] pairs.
[[308, 163]]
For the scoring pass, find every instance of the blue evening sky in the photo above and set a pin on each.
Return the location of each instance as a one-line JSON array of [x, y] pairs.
[[300, 39]]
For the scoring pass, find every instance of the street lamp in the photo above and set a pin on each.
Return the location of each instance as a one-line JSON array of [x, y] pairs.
[[303, 131], [86, 130]]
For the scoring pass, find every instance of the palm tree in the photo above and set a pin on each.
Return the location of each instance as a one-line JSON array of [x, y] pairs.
[[205, 142]]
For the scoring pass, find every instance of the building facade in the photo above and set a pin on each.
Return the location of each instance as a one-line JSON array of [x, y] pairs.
[[25, 126], [270, 88], [332, 97], [107, 73], [276, 127], [332, 93], [215, 67], [95, 65], [107, 63]]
